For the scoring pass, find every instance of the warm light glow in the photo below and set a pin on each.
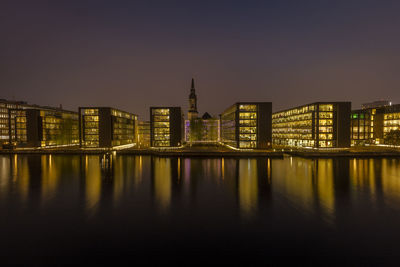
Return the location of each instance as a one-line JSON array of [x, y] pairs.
[[248, 187], [306, 126], [162, 182], [161, 127]]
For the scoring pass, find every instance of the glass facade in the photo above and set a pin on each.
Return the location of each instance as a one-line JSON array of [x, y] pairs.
[[19, 129], [391, 126], [90, 126], [371, 126], [362, 126], [166, 126], [4, 122], [43, 127], [59, 128], [107, 127], [391, 122], [228, 127], [247, 125], [143, 133], [312, 125], [5, 107], [123, 128], [161, 127]]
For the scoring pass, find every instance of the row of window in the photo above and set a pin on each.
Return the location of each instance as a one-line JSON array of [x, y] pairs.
[[161, 127]]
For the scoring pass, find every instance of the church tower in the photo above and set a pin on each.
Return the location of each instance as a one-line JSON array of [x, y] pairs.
[[192, 112]]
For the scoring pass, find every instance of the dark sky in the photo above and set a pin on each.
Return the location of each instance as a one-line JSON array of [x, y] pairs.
[[136, 54]]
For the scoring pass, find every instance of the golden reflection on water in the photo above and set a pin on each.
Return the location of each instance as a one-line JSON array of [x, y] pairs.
[[4, 174], [248, 186], [50, 178], [92, 183], [307, 184], [179, 169], [126, 174], [222, 168], [15, 167], [138, 170], [363, 178], [119, 183], [391, 182], [376, 180], [162, 182], [325, 185], [20, 177], [269, 173]]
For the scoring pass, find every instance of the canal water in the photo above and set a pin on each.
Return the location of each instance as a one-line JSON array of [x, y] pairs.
[[93, 209]]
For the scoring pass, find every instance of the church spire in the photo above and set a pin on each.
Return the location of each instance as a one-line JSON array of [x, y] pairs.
[[192, 91], [192, 113]]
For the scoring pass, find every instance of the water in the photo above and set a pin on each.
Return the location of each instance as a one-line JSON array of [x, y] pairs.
[[72, 209]]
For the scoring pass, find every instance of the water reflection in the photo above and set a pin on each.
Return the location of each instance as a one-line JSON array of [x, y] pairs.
[[311, 186], [108, 178], [364, 180], [194, 182], [162, 182], [253, 183], [319, 188], [50, 178], [328, 206], [93, 182], [14, 177], [390, 183], [248, 185]]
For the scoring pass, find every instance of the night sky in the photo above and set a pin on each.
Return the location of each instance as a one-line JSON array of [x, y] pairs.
[[136, 54]]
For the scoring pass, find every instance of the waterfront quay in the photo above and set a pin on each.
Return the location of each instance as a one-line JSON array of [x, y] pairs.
[[195, 151], [353, 152], [222, 151]]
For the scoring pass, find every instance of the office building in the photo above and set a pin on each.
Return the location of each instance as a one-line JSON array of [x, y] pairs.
[[106, 127], [387, 120], [247, 125], [5, 106], [43, 127], [166, 126], [316, 125], [143, 134], [371, 126], [362, 126]]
